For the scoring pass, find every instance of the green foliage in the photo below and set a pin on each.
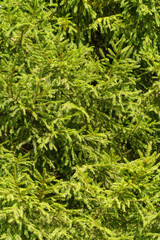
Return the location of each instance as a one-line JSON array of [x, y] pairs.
[[79, 120]]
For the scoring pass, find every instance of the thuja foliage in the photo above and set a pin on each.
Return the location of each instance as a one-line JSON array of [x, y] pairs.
[[79, 120]]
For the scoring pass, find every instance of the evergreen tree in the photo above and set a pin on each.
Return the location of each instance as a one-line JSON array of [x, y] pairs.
[[79, 120]]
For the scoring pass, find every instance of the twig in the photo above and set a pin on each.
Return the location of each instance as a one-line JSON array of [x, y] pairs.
[[41, 47]]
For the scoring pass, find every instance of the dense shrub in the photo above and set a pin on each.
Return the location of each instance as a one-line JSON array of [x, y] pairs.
[[79, 120]]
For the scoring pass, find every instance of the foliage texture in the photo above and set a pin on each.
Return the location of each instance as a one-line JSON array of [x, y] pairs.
[[79, 119]]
